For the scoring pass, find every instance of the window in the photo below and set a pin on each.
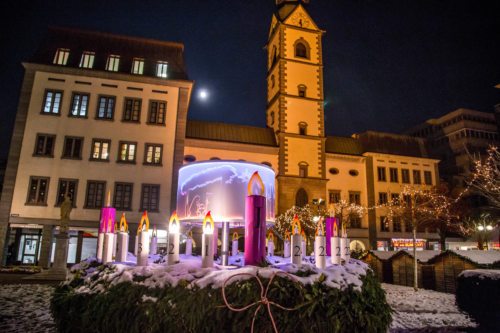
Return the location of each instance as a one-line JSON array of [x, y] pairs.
[[353, 172], [61, 57], [126, 152], [302, 90], [355, 198], [428, 177], [381, 174], [138, 66], [87, 60], [355, 221], [301, 50], [416, 177], [67, 187], [79, 105], [395, 197], [405, 176], [333, 197], [157, 111], [393, 172], [189, 158], [52, 102], [44, 145], [94, 197], [113, 63], [37, 191], [272, 118], [302, 128], [161, 69], [100, 150], [150, 197], [333, 171], [303, 166], [382, 198], [72, 147], [106, 107], [132, 110], [123, 196], [396, 224], [153, 154], [384, 223], [301, 198]]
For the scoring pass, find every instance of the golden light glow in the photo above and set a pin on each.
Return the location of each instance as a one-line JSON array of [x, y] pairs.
[[296, 229], [255, 178], [173, 224], [208, 228], [287, 235], [270, 236], [335, 229], [235, 236], [190, 234], [123, 223], [144, 224], [320, 228]]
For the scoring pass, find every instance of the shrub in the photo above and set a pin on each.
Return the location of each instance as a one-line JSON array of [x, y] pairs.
[[478, 293], [134, 307]]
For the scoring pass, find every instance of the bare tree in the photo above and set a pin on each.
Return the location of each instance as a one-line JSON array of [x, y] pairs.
[[485, 177]]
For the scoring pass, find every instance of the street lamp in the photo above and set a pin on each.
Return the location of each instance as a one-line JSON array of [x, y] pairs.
[[483, 232]]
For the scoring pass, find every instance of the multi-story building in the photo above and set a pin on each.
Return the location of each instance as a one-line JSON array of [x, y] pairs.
[[101, 112]]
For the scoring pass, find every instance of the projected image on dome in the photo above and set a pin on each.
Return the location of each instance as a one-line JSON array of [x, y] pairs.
[[221, 188]]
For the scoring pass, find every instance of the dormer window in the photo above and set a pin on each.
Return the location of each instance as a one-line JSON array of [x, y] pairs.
[[161, 69], [138, 66], [113, 63], [61, 57], [87, 60], [302, 90]]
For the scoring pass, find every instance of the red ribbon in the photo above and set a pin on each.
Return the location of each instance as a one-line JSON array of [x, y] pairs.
[[263, 298]]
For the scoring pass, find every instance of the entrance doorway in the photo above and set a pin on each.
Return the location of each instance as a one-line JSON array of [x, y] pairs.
[[28, 249]]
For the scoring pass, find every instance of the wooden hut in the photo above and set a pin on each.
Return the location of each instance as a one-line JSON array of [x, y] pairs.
[[403, 268], [449, 264], [380, 263]]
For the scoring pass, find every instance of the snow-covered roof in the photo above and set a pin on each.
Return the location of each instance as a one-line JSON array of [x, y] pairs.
[[424, 255], [383, 255], [493, 274], [479, 256]]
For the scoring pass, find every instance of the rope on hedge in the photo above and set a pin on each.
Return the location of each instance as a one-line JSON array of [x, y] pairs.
[[264, 301]]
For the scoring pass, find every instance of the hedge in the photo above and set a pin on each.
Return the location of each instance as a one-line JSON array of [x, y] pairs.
[[134, 307]]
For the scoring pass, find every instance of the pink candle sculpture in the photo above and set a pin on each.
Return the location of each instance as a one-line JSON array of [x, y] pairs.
[[255, 223]]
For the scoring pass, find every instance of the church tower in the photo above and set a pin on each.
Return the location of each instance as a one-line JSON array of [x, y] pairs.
[[295, 103]]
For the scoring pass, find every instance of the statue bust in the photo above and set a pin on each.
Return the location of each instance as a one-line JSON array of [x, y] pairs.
[[66, 208]]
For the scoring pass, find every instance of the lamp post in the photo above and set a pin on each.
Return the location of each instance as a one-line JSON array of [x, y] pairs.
[[483, 231]]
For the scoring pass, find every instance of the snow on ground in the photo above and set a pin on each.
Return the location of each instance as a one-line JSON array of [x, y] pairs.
[[424, 309], [25, 308]]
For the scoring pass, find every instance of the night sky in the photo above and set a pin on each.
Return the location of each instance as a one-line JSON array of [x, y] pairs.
[[388, 64]]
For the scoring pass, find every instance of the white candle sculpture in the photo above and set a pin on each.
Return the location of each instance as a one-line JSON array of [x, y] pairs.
[[143, 237], [207, 246], [189, 243], [234, 247], [115, 239], [136, 244], [270, 244], [344, 245], [286, 246], [173, 239], [335, 241], [109, 236], [100, 246], [296, 242], [320, 245], [122, 240], [153, 246], [303, 244]]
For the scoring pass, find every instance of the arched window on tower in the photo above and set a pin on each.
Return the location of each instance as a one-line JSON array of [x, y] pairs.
[[301, 198], [301, 49], [302, 90], [302, 128], [274, 55], [273, 81], [272, 118], [303, 166]]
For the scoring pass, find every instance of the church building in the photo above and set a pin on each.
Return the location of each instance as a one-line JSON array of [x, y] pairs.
[[100, 112]]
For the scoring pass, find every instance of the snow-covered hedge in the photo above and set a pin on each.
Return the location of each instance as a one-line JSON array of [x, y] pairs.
[[186, 298], [478, 293]]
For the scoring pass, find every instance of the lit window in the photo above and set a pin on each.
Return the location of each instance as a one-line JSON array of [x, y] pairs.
[[161, 69], [79, 105], [113, 63], [157, 111], [138, 66], [126, 152], [153, 154], [132, 111], [100, 150], [61, 57], [52, 102], [106, 107], [87, 60]]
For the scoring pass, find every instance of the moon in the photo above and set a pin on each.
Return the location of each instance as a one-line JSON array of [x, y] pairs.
[[203, 94]]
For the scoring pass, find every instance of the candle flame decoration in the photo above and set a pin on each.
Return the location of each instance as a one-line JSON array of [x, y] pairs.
[[287, 235], [154, 233], [109, 225], [303, 234], [116, 227], [144, 223], [108, 203], [123, 223], [344, 230], [235, 236], [320, 228], [335, 229], [255, 178], [210, 228], [190, 234], [296, 229], [270, 236], [173, 224]]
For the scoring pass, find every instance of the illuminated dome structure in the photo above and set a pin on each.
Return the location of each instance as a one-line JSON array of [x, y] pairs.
[[221, 188]]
